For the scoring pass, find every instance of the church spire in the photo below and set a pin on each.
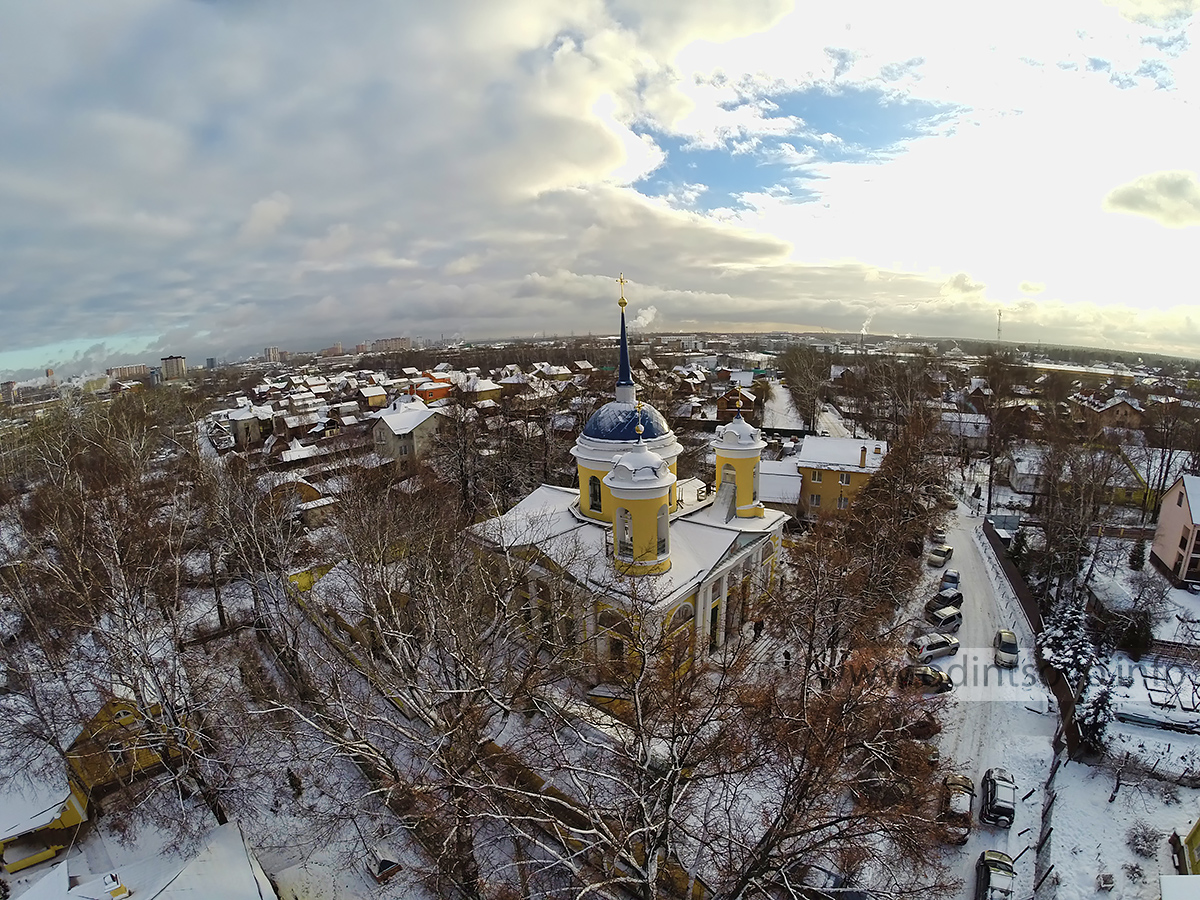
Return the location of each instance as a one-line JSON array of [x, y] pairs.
[[625, 386]]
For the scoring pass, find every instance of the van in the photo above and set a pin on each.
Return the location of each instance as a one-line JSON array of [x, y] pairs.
[[947, 620]]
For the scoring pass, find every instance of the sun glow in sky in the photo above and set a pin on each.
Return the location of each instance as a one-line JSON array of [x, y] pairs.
[[208, 178]]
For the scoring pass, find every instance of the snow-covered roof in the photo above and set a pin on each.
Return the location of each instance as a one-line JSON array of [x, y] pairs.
[[406, 418], [549, 519], [779, 481], [1191, 490], [839, 454], [225, 868], [28, 807]]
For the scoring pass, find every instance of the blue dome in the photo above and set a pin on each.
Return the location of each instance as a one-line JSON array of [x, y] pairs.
[[616, 421]]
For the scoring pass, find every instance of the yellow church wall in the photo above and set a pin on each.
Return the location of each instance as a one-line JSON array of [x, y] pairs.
[[643, 515], [744, 478], [607, 503]]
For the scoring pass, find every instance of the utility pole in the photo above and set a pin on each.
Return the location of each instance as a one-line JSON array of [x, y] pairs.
[[999, 313]]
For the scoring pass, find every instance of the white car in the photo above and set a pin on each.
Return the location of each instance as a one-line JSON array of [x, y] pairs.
[[1005, 645], [926, 647]]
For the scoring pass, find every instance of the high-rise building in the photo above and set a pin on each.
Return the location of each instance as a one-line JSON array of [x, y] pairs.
[[391, 345], [122, 372], [174, 368], [210, 363], [8, 392], [360, 348], [271, 354]]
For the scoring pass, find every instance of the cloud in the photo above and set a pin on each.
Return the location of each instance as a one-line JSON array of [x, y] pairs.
[[210, 178], [1169, 198], [1032, 287], [1155, 11], [961, 284], [265, 218]]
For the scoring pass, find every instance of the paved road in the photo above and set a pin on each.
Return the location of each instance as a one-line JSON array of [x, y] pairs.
[[988, 724]]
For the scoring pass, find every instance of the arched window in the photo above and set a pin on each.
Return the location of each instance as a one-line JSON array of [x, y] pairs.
[[623, 533], [594, 499], [683, 616], [728, 474], [664, 520]]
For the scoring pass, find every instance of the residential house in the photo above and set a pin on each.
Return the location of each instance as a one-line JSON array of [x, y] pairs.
[[964, 431], [121, 743], [432, 390], [372, 397], [728, 408], [37, 820], [1097, 412], [1175, 549], [406, 434], [835, 470]]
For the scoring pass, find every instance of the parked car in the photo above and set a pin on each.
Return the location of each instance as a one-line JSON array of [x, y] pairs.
[[995, 876], [930, 646], [948, 597], [958, 794], [929, 679], [940, 555], [947, 619], [950, 579], [1005, 645], [938, 536], [999, 804], [948, 500]]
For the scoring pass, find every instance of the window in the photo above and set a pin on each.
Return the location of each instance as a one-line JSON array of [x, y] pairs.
[[754, 497], [623, 534], [380, 437], [682, 616], [843, 502], [844, 478], [594, 500], [664, 543], [814, 499], [728, 474], [816, 476], [1179, 499]]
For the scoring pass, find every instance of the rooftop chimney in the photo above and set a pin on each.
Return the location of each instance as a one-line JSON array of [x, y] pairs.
[[112, 884], [862, 458]]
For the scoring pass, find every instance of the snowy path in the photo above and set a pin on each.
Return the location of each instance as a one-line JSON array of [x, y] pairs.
[[780, 411], [830, 423], [988, 722]]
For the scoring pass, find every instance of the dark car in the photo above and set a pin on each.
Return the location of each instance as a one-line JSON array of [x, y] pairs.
[[999, 804], [942, 599], [929, 679]]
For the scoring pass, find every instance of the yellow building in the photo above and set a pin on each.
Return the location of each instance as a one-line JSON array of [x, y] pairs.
[[635, 557], [37, 823], [834, 470], [120, 744]]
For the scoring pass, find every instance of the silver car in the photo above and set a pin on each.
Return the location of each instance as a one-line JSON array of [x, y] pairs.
[[1005, 645]]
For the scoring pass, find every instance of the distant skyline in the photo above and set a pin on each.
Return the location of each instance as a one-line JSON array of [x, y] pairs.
[[209, 177]]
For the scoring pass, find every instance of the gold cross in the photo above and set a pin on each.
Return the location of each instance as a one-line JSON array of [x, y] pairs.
[[622, 282]]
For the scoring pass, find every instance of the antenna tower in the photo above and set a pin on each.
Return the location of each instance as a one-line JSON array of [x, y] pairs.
[[999, 313]]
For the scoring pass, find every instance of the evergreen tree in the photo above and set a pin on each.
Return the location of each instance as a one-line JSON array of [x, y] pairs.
[[1093, 715], [1137, 556], [1067, 645]]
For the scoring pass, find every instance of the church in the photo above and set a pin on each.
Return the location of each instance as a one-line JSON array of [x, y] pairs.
[[634, 558]]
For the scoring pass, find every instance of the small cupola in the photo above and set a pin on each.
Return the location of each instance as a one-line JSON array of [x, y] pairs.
[[640, 483], [739, 446]]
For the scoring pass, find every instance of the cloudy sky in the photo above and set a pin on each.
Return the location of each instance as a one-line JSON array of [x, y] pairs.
[[208, 178]]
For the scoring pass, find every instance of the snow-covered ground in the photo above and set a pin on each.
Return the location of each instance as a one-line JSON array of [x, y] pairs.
[[1090, 834], [995, 717], [779, 411]]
